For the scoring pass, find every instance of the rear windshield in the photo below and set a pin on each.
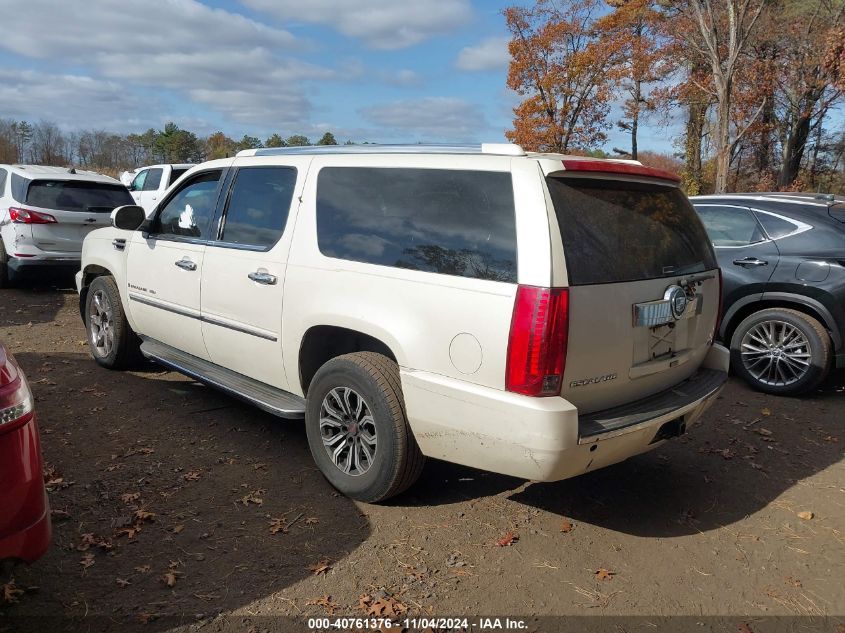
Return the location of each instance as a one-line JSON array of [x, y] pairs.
[[76, 195], [617, 231], [176, 174]]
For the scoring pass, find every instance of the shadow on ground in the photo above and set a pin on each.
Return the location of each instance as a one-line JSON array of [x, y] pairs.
[[33, 302], [734, 463], [219, 478]]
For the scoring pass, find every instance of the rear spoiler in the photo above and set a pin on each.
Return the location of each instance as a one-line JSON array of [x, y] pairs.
[[618, 167]]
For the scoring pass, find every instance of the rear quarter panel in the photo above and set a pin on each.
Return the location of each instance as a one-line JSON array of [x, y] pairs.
[[428, 320]]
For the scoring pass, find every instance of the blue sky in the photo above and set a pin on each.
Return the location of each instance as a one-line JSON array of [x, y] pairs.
[[375, 70]]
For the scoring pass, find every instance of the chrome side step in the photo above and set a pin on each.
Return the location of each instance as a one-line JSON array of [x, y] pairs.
[[273, 400]]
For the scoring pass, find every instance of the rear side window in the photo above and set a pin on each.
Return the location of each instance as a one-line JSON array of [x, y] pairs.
[[776, 227], [730, 226], [153, 179], [258, 205], [77, 195], [617, 230], [2, 182], [175, 175], [450, 222]]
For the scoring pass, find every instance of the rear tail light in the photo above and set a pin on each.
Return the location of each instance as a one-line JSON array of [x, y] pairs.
[[721, 305], [25, 216], [538, 337], [15, 397]]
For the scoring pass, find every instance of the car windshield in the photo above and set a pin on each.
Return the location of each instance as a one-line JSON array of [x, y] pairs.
[[77, 195]]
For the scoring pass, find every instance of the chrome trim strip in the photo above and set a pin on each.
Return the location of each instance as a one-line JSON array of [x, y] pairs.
[[200, 317], [161, 306], [238, 328]]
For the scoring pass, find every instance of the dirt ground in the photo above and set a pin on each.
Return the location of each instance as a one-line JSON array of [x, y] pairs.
[[176, 506]]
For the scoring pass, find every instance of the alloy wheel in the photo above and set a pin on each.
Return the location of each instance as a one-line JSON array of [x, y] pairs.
[[348, 431], [776, 353], [101, 324]]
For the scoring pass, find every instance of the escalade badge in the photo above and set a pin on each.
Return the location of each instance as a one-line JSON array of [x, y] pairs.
[[677, 298]]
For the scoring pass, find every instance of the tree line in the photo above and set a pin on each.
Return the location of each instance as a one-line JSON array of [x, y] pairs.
[[755, 84], [45, 143]]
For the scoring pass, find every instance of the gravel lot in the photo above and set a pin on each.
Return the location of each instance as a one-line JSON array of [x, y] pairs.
[[174, 504]]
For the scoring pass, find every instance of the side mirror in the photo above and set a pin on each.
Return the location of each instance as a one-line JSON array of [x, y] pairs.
[[128, 217]]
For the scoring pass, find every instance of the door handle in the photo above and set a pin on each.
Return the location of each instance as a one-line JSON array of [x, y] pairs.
[[750, 262], [263, 278], [186, 264]]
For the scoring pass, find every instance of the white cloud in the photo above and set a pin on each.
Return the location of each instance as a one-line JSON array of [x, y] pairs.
[[72, 101], [430, 119], [403, 78], [489, 54], [382, 24], [219, 59]]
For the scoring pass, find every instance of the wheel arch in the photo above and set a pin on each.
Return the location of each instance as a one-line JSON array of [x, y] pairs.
[[89, 274], [321, 343], [809, 306]]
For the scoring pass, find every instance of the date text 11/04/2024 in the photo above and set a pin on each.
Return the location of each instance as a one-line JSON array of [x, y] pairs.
[[480, 624]]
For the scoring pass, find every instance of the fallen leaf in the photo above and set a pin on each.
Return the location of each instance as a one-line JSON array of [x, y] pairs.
[[253, 497], [146, 451], [745, 628], [312, 521], [566, 527], [129, 497], [144, 569], [508, 539], [120, 582], [604, 574], [793, 581], [806, 515], [169, 578], [177, 529], [762, 431], [326, 603], [11, 593], [60, 515], [87, 560], [128, 532], [387, 607], [726, 453], [322, 567], [194, 475], [279, 525], [765, 411], [143, 515]]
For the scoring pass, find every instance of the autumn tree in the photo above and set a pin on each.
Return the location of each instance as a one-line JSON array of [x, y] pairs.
[[808, 82], [636, 27], [561, 68], [720, 34], [275, 141]]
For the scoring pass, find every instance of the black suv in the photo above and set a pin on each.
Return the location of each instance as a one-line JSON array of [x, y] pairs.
[[782, 257]]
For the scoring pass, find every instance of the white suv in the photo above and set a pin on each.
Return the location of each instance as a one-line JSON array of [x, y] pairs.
[[149, 183], [46, 212], [536, 315]]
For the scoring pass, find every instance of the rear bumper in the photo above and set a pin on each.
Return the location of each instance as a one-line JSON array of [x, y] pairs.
[[540, 438], [25, 529], [25, 265]]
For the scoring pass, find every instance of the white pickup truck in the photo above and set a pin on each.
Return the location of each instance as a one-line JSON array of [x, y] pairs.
[[150, 183]]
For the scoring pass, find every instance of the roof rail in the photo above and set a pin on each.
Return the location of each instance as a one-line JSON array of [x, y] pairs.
[[501, 149]]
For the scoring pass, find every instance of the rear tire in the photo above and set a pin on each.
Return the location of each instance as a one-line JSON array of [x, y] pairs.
[[781, 351], [112, 342], [357, 428]]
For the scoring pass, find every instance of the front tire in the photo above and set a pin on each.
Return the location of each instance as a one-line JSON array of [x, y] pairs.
[[357, 428], [781, 351], [112, 342]]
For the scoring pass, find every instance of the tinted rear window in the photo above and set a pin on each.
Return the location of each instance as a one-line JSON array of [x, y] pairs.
[[451, 222], [617, 231], [176, 174], [77, 195]]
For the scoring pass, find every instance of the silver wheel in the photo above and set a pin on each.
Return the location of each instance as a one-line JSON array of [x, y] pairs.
[[101, 324], [348, 431], [776, 353]]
